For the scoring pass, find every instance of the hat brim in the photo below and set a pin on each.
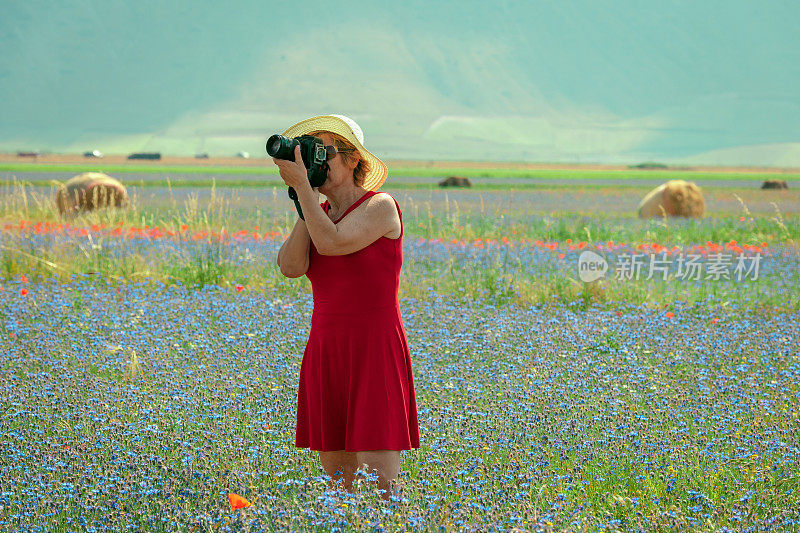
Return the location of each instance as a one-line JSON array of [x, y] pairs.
[[378, 172]]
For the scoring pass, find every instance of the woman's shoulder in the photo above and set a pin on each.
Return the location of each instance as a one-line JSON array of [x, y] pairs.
[[382, 204], [383, 198], [384, 195], [385, 208]]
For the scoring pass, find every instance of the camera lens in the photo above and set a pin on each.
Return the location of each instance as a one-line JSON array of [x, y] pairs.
[[273, 145], [281, 147]]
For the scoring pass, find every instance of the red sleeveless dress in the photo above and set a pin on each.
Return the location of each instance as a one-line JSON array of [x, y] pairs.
[[356, 389]]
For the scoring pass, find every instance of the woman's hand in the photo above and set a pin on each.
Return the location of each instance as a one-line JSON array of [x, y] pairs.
[[294, 173]]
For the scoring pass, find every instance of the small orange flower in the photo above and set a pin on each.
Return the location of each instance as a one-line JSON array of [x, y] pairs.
[[670, 314], [619, 313], [714, 320], [24, 292], [561, 256], [24, 279], [237, 502]]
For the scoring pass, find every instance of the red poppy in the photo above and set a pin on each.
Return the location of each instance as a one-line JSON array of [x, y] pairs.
[[670, 314], [714, 320], [239, 288], [561, 256], [24, 292], [237, 502], [24, 279]]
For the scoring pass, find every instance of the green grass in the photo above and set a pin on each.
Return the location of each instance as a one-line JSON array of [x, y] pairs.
[[136, 168], [420, 171], [184, 183], [507, 278]]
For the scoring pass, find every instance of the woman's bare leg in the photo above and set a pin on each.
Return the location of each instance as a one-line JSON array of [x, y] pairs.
[[387, 464], [340, 461]]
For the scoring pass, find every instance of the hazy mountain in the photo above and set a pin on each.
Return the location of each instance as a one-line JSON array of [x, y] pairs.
[[588, 80]]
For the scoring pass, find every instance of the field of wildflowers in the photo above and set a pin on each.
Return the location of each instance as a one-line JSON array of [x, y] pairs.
[[149, 364]]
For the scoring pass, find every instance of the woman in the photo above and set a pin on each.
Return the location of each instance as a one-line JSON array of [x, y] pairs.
[[356, 403]]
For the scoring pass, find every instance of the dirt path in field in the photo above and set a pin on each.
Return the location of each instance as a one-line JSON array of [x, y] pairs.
[[256, 162]]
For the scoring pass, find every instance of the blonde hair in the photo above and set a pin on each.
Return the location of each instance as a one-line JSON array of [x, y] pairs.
[[349, 152]]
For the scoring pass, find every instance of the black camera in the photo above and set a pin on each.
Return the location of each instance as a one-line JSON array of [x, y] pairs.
[[311, 149], [314, 155]]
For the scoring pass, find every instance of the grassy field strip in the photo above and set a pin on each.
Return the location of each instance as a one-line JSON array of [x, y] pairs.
[[268, 169], [393, 184], [503, 271]]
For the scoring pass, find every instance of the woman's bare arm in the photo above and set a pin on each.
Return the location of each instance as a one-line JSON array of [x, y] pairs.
[[370, 221], [293, 255]]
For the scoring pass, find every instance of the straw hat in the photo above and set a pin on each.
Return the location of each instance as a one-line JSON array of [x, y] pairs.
[[347, 128]]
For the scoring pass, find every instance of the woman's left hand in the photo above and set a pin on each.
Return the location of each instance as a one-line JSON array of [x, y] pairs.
[[293, 173]]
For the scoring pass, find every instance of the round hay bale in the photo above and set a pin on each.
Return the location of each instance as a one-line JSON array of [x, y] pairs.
[[455, 181], [676, 198], [774, 184], [90, 191]]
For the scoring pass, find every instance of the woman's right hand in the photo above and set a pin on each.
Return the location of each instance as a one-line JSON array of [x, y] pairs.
[[293, 173]]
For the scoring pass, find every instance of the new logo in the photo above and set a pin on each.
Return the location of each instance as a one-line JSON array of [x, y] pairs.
[[591, 266]]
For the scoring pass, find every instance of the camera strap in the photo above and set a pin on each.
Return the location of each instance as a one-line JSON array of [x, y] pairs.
[[293, 196]]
